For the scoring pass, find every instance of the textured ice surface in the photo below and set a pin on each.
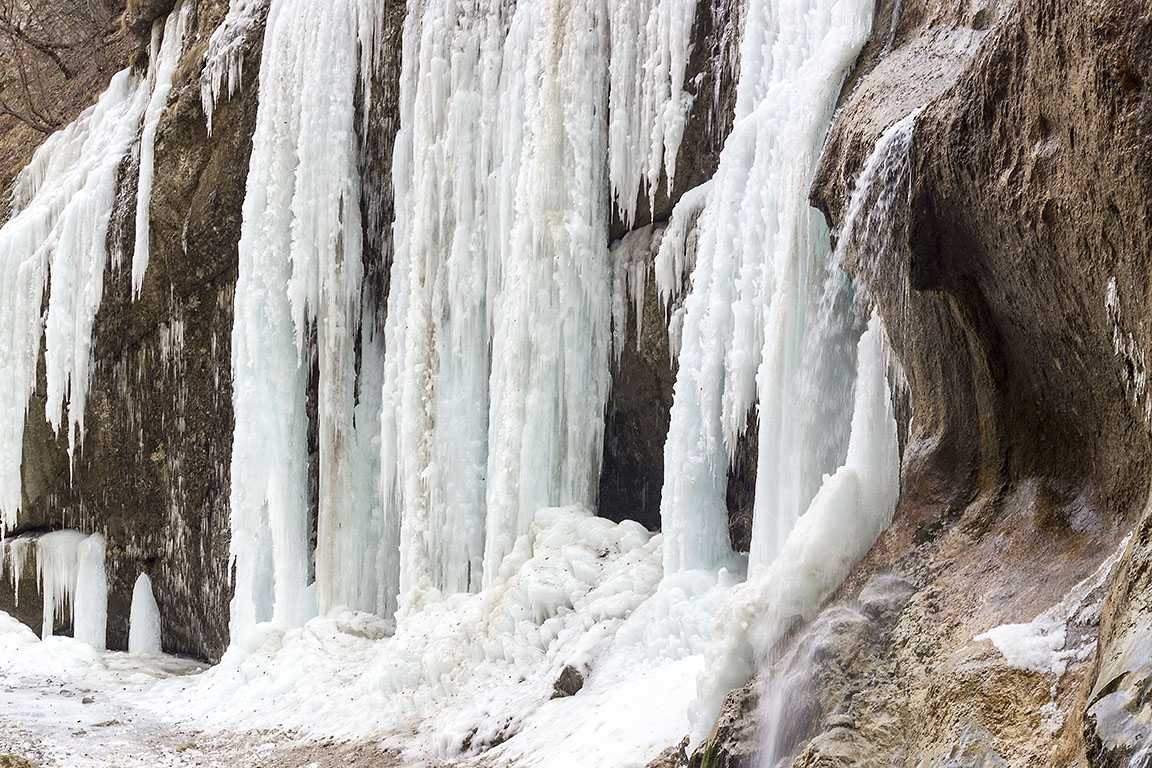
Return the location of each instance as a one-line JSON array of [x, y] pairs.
[[758, 270], [57, 565], [90, 610], [144, 619], [493, 409], [473, 670]]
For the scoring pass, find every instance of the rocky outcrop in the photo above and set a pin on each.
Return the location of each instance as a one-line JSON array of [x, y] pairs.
[[1014, 299]]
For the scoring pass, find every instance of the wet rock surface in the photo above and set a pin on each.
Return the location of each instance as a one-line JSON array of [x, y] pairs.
[[1013, 303]]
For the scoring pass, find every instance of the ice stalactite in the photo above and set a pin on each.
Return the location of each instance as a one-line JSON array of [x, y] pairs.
[[15, 554], [144, 619], [651, 42], [299, 275], [167, 45], [56, 571], [90, 606], [55, 239], [761, 261], [631, 264], [224, 60], [498, 335]]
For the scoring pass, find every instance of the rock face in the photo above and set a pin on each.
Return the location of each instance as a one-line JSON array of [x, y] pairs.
[[1014, 299]]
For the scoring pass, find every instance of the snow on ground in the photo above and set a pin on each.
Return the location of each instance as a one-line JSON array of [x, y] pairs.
[[468, 680]]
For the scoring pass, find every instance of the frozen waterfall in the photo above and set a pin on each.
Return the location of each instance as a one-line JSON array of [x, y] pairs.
[[760, 266], [55, 240], [298, 290]]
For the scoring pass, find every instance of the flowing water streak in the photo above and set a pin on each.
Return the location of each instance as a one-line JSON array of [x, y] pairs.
[[873, 240], [761, 261]]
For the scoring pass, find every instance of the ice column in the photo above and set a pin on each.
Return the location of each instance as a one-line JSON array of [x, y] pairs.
[[761, 265], [499, 320], [167, 45], [90, 608], [61, 205], [434, 423], [144, 619], [552, 318], [299, 275]]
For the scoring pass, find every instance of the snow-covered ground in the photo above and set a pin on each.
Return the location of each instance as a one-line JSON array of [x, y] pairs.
[[469, 679]]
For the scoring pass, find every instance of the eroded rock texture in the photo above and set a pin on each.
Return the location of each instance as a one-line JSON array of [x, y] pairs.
[[1014, 299]]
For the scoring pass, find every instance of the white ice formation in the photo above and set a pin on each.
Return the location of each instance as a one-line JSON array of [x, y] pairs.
[[759, 265], [167, 45], [144, 619], [55, 241], [90, 608]]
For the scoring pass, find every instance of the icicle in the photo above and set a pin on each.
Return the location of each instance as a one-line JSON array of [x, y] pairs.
[[650, 43], [56, 571], [61, 204], [144, 619], [17, 553], [761, 263], [224, 60], [631, 258], [676, 256], [299, 269], [163, 58], [90, 607]]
